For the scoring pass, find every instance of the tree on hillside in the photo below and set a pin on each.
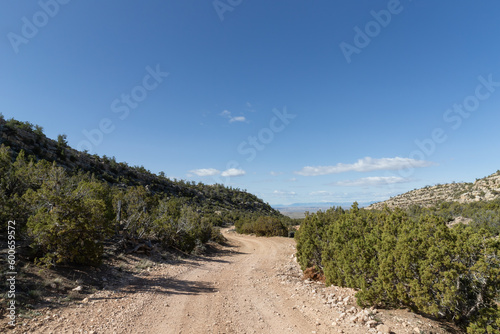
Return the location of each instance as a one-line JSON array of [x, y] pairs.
[[15, 179], [62, 143], [72, 217], [136, 212]]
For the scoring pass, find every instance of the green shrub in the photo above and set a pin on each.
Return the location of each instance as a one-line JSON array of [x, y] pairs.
[[310, 238], [66, 216], [486, 322], [71, 220], [15, 124], [398, 261], [268, 226]]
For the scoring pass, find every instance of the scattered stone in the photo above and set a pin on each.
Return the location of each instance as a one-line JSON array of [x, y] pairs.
[[384, 329], [416, 330], [371, 323], [78, 288]]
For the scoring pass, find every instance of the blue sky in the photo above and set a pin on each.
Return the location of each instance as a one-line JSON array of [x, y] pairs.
[[295, 101]]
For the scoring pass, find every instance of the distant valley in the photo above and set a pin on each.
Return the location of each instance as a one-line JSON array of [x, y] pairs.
[[298, 210]]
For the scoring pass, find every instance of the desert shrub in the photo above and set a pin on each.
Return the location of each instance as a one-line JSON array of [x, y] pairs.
[[136, 212], [190, 227], [71, 218], [16, 177], [395, 260], [15, 124], [269, 226], [164, 226], [38, 130], [217, 236], [350, 257], [179, 225], [310, 238], [66, 216], [259, 225], [486, 322]]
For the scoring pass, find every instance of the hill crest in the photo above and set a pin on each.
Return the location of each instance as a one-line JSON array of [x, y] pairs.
[[485, 189], [24, 136]]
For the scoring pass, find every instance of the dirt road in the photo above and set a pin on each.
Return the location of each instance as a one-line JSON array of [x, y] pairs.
[[238, 293], [253, 285]]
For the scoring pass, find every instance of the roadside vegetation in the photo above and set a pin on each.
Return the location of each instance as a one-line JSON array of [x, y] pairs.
[[269, 226], [65, 218], [411, 259], [73, 209]]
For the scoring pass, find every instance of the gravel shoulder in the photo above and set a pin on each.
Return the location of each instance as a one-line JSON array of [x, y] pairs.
[[252, 285]]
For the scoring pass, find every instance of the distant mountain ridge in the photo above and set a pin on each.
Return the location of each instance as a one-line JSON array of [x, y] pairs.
[[318, 205], [485, 189], [298, 210]]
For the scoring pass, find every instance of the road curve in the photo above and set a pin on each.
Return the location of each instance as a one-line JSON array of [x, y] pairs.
[[238, 292]]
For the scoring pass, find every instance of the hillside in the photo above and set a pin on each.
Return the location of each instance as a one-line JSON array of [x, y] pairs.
[[485, 189], [25, 136], [66, 215]]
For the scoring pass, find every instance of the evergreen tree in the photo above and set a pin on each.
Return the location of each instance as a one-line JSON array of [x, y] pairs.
[[72, 217]]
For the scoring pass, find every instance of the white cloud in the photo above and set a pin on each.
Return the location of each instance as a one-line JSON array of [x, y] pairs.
[[205, 172], [273, 173], [281, 193], [321, 193], [365, 165], [212, 172], [227, 114], [233, 172], [237, 119], [372, 181]]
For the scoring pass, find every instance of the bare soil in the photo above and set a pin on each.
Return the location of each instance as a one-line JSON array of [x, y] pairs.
[[250, 285]]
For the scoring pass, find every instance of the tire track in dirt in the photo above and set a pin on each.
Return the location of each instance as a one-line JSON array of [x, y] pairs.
[[246, 295], [251, 285]]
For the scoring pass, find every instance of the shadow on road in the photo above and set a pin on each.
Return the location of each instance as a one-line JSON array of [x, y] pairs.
[[169, 286]]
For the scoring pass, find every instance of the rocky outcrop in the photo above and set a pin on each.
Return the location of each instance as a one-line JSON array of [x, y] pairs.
[[485, 189]]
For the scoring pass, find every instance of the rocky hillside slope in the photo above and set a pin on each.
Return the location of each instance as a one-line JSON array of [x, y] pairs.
[[30, 138], [485, 189]]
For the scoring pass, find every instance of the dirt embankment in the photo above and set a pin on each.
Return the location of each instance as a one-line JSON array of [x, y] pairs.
[[253, 285]]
